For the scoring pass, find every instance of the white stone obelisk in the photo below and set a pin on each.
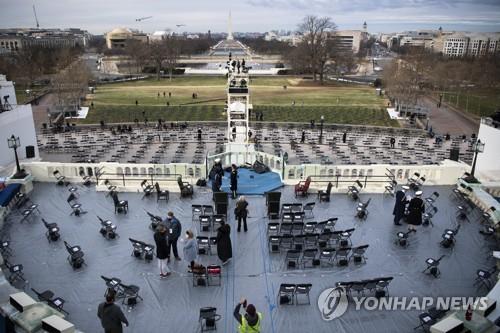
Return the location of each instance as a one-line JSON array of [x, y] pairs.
[[230, 28]]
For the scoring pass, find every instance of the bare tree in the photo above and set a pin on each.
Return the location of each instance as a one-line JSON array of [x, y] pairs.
[[138, 53], [164, 52], [316, 44]]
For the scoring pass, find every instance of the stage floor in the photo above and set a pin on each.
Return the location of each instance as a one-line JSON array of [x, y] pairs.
[[252, 183], [173, 304]]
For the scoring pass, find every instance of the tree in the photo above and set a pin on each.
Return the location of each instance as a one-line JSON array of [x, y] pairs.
[[316, 44], [138, 53], [165, 52]]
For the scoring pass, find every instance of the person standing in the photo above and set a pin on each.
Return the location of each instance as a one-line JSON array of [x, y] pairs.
[[233, 133], [199, 133], [162, 250], [250, 321], [111, 315], [393, 142], [241, 212], [174, 232], [190, 249], [344, 137], [224, 247], [399, 206], [234, 180], [303, 136], [416, 207]]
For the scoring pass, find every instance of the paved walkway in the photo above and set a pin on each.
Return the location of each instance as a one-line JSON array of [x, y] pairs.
[[446, 120]]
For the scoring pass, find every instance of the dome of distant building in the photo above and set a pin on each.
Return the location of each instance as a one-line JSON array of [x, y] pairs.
[[117, 38]]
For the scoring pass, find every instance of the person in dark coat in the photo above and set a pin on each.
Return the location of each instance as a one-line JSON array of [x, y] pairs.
[[241, 213], [162, 250], [111, 315], [174, 232], [303, 137], [216, 175], [399, 206], [344, 137], [224, 247], [234, 180], [415, 208], [393, 142]]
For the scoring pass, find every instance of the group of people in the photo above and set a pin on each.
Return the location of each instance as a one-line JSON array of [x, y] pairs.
[[410, 208]]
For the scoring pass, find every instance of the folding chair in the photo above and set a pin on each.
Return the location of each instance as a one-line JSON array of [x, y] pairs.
[[212, 241], [15, 272], [147, 188], [358, 253], [274, 243], [48, 297], [433, 266], [484, 277], [196, 211], [286, 208], [324, 239], [217, 221], [108, 229], [287, 217], [302, 187], [208, 319], [155, 220], [485, 216], [309, 257], [402, 238], [292, 259], [161, 194], [362, 209], [345, 238], [412, 181], [214, 274], [286, 228], [326, 257], [342, 256], [310, 240], [52, 232], [75, 206], [185, 188], [308, 209], [273, 228], [203, 245], [324, 195], [59, 177], [432, 199], [359, 286], [297, 228], [286, 294], [383, 285], [208, 210], [205, 222], [448, 237], [427, 216], [75, 257], [353, 190], [26, 213], [129, 294], [120, 205], [5, 248], [391, 187], [286, 242], [200, 277], [309, 227], [86, 180], [330, 224]]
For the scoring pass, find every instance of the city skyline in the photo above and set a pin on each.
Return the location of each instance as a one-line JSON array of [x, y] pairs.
[[254, 15]]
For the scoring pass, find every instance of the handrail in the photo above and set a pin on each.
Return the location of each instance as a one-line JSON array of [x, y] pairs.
[[337, 177], [152, 177]]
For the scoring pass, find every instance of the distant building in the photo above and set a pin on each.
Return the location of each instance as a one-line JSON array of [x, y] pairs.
[[468, 44], [13, 40], [160, 35], [350, 39], [117, 38]]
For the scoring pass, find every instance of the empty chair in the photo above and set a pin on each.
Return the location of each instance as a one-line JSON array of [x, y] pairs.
[[297, 228], [342, 256], [485, 277], [286, 242], [59, 177], [358, 253], [326, 257], [286, 208], [292, 259], [274, 243], [273, 228], [185, 188], [286, 228], [427, 216], [217, 221], [324, 195], [391, 188], [147, 188], [324, 239], [382, 284], [200, 277], [433, 266], [203, 245], [129, 294], [299, 242], [309, 257], [302, 291], [287, 217], [205, 222], [52, 232], [208, 319], [155, 220], [345, 237], [15, 272], [196, 211], [310, 240], [214, 275], [75, 257], [286, 294], [86, 180], [402, 238], [120, 205], [429, 318], [462, 212], [108, 229], [308, 209], [309, 227], [362, 209], [485, 216], [141, 250], [29, 211], [448, 237], [75, 206], [47, 296], [432, 199], [353, 190], [330, 224], [302, 187], [5, 248], [161, 194], [298, 216]]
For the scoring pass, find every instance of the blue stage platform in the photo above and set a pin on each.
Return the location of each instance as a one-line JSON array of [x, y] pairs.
[[252, 183]]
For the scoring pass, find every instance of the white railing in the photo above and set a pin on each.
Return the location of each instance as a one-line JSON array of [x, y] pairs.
[[240, 158]]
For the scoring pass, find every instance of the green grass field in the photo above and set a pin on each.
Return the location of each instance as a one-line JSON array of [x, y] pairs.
[[300, 101]]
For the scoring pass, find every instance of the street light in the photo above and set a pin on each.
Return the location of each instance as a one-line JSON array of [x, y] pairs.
[[478, 148], [15, 143], [321, 129]]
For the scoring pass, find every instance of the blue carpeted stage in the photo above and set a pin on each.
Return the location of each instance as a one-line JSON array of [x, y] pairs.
[[252, 183]]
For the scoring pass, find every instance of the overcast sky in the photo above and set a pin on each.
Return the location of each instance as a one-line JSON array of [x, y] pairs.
[[99, 16]]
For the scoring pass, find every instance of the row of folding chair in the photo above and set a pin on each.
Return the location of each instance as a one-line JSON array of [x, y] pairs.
[[291, 293], [206, 245], [299, 227], [339, 238], [378, 285], [210, 222], [313, 257]]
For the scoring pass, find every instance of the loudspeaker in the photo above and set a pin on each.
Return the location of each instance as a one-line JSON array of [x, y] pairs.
[[454, 154], [221, 197], [55, 324], [21, 301], [273, 197], [30, 151], [221, 208], [273, 208]]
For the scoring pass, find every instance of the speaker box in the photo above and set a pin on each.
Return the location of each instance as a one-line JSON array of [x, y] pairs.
[[30, 151], [221, 208], [21, 301], [273, 208], [454, 154], [55, 324], [273, 197], [221, 197]]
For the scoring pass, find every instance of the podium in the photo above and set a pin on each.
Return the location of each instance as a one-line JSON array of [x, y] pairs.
[[273, 205], [221, 203]]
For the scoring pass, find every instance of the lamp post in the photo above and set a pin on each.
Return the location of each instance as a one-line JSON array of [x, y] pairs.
[[321, 129], [478, 148], [15, 143]]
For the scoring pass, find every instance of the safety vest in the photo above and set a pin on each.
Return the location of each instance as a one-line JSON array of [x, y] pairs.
[[245, 328]]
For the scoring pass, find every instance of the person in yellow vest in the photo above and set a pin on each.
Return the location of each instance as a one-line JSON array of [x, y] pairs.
[[250, 321]]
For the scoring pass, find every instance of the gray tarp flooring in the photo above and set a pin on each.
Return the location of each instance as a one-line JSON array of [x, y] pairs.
[[172, 305]]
